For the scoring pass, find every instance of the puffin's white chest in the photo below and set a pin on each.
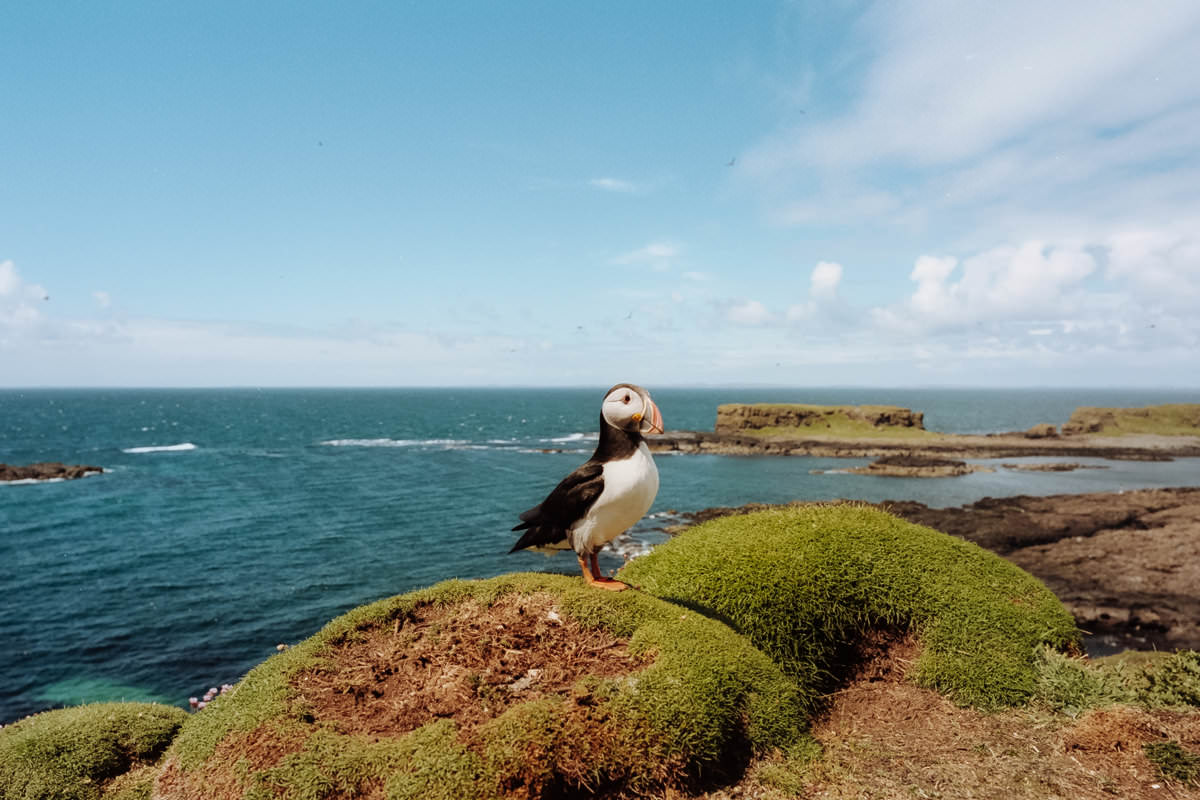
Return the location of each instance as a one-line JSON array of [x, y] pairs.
[[630, 486]]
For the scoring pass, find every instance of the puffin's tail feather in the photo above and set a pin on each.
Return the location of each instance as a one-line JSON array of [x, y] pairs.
[[528, 539], [537, 535]]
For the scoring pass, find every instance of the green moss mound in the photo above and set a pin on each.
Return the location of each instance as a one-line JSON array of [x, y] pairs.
[[697, 699], [802, 582], [77, 753]]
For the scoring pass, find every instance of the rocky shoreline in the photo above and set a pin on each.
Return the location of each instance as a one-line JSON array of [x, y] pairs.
[[47, 471], [1138, 447], [1127, 564]]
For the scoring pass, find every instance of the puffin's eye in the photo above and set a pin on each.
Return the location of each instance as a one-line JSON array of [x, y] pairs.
[[625, 399]]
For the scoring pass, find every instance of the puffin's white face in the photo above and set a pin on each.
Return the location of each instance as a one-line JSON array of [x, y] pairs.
[[630, 408]]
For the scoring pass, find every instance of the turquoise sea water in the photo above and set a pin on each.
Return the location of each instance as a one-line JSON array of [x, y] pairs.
[[227, 521]]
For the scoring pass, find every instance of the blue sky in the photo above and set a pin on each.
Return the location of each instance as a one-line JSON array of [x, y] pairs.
[[923, 193]]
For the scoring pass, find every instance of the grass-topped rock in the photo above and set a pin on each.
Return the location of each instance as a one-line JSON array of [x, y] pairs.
[[520, 686], [86, 752], [1171, 419], [803, 420], [805, 582]]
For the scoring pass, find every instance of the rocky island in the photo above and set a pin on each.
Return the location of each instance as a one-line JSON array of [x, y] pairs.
[[1155, 433]]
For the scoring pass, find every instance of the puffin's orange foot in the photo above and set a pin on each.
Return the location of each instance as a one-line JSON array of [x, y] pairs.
[[591, 574], [607, 583]]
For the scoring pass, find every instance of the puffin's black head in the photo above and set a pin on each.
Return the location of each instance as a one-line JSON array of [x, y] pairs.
[[630, 408]]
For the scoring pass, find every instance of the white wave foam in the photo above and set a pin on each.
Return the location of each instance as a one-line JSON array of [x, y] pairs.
[[396, 443], [572, 437], [165, 448]]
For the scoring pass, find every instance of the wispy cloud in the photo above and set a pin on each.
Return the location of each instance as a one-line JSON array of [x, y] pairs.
[[1005, 117], [659, 255], [19, 304], [616, 185], [750, 313]]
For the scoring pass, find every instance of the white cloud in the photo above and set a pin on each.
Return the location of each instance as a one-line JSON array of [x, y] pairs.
[[699, 277], [1005, 282], [822, 294], [1006, 121], [750, 313], [19, 302], [826, 276], [615, 185], [658, 255], [952, 80], [103, 298], [1162, 266], [9, 280]]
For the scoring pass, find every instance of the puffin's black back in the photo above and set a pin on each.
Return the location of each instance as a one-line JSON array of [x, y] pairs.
[[548, 522]]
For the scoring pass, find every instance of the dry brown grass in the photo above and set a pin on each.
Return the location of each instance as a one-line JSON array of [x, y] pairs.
[[464, 662], [885, 739]]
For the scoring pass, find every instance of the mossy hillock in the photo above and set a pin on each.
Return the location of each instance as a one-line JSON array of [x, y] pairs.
[[668, 697], [803, 582], [82, 752]]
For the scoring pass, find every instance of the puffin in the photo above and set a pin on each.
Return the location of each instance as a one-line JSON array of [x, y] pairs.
[[606, 495]]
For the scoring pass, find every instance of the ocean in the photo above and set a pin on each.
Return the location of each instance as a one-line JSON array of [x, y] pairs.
[[228, 521]]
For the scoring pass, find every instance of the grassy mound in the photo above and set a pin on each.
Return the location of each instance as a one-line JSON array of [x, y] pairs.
[[803, 582], [520, 686], [1172, 419], [77, 753]]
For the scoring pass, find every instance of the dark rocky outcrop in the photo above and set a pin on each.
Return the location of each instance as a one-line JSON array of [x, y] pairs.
[[45, 471], [1042, 430], [909, 465]]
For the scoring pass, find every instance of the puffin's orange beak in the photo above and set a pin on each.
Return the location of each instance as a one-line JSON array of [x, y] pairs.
[[652, 421]]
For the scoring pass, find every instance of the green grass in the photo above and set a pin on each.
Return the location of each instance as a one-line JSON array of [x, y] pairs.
[[74, 753], [1173, 762], [1148, 679], [834, 422], [802, 581], [705, 692], [1174, 419]]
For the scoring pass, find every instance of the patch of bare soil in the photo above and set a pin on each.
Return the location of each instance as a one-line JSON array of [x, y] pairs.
[[466, 662], [885, 738]]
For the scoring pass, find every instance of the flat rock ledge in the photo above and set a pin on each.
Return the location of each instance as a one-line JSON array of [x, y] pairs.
[[907, 465], [946, 446], [47, 471]]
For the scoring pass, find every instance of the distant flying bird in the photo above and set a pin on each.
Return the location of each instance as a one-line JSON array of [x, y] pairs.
[[732, 161], [606, 495]]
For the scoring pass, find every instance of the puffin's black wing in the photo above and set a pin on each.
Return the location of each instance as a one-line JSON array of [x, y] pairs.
[[547, 522]]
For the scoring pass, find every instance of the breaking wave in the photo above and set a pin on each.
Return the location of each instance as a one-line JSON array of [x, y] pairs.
[[164, 448]]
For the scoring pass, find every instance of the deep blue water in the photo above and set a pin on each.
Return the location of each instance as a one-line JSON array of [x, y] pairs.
[[274, 511]]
